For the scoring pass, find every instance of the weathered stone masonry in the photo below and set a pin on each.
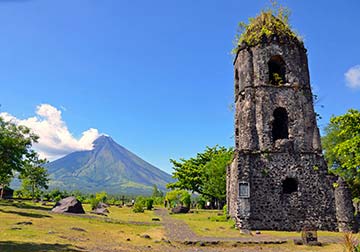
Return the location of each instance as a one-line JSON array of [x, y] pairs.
[[279, 179]]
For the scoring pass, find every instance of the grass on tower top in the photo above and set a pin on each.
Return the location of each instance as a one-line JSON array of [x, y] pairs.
[[270, 22]]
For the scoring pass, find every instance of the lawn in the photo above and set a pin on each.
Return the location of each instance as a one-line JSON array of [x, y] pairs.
[[122, 230], [57, 232], [200, 222]]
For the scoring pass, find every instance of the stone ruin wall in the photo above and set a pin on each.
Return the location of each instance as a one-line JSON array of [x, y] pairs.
[[265, 163]]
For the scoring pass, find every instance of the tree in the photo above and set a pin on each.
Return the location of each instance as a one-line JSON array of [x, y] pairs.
[[214, 173], [34, 176], [157, 192], [15, 146], [181, 197], [342, 148], [204, 174]]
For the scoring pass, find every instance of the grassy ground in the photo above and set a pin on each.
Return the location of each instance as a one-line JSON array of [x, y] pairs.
[[200, 222], [55, 232]]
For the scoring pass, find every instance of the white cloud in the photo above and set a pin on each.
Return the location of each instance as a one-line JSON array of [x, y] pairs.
[[352, 77], [55, 138]]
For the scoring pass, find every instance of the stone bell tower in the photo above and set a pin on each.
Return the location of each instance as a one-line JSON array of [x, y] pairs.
[[278, 179]]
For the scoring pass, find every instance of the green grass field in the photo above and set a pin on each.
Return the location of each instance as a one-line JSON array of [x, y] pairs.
[[122, 230], [57, 232]]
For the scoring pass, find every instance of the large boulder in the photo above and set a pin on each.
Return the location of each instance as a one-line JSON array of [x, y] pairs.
[[180, 209], [68, 205]]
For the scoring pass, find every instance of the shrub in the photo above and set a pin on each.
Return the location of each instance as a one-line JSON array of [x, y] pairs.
[[149, 203], [225, 210], [201, 204], [138, 207], [94, 202]]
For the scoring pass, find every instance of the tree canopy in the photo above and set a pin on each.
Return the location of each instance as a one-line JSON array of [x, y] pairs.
[[15, 147], [17, 155], [33, 175], [342, 148], [204, 174]]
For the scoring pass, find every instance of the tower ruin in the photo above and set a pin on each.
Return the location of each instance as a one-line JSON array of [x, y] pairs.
[[278, 179]]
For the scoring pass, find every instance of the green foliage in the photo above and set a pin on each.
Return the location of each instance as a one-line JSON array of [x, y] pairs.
[[101, 196], [34, 176], [342, 148], [55, 195], [139, 205], [15, 147], [157, 192], [277, 80], [225, 210], [181, 197], [94, 202], [272, 21], [149, 203], [204, 174], [200, 204]]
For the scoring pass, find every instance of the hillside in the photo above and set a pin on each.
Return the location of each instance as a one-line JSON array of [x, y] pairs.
[[108, 167]]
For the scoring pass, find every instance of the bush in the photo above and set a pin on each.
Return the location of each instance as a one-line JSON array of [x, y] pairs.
[[138, 207], [201, 204], [225, 210], [94, 202], [149, 204]]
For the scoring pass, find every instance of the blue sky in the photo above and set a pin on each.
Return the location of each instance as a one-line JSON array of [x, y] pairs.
[[155, 75]]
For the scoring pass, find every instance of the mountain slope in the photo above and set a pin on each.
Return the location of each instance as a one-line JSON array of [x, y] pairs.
[[108, 167]]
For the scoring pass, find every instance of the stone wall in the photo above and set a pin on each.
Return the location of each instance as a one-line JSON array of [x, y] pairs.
[[289, 185]]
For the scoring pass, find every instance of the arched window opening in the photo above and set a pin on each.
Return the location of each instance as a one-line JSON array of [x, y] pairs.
[[289, 185], [236, 84], [280, 124], [276, 70]]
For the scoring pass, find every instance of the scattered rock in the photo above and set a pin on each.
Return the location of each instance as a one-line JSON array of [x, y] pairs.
[[78, 229], [16, 228], [298, 242], [245, 231], [165, 240], [24, 223], [157, 241], [128, 239], [180, 209], [314, 243], [102, 205], [202, 244], [51, 232], [257, 232], [146, 236], [100, 211], [155, 219], [68, 205]]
